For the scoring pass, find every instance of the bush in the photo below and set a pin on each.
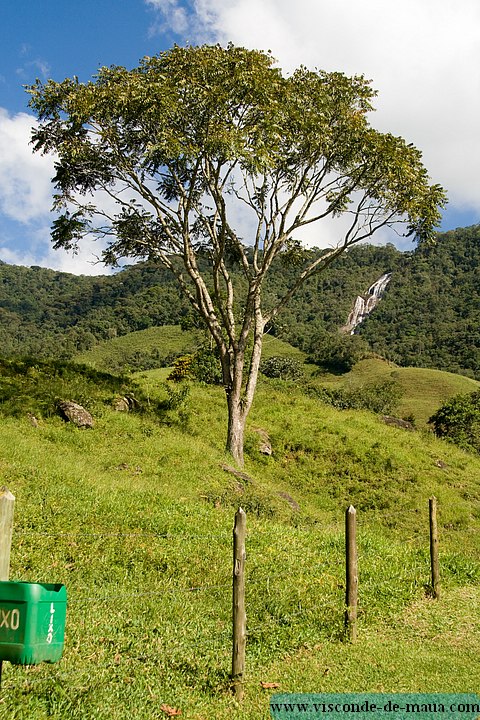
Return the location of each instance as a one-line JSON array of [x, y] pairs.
[[379, 397], [206, 366], [458, 420], [182, 369], [337, 353], [284, 368], [203, 365]]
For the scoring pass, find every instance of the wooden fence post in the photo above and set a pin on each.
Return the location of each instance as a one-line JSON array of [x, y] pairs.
[[435, 571], [7, 506], [351, 595], [239, 614]]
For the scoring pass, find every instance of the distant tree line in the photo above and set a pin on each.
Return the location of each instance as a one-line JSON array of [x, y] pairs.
[[55, 314]]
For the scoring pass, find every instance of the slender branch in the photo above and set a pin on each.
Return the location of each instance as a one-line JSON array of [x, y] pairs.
[[219, 200], [320, 264], [351, 238], [259, 326]]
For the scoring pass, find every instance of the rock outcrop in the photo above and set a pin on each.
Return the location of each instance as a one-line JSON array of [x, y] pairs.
[[75, 413]]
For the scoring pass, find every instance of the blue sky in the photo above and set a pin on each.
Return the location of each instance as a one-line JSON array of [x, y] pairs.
[[55, 38], [423, 56]]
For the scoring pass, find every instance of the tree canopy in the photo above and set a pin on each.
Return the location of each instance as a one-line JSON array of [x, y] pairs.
[[160, 161]]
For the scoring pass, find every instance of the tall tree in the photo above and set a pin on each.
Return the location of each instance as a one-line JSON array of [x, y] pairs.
[[160, 161]]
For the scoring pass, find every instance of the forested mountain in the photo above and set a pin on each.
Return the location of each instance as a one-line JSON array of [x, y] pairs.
[[42, 310], [52, 313], [428, 317]]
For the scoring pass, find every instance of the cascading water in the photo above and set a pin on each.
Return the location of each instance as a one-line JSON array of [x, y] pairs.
[[364, 304]]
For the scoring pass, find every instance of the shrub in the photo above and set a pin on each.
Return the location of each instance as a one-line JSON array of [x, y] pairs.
[[337, 353], [284, 368], [378, 397], [203, 365], [176, 408], [177, 399], [182, 369], [206, 366], [459, 421]]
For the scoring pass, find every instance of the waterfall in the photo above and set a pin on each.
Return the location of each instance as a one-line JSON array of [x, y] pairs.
[[364, 304]]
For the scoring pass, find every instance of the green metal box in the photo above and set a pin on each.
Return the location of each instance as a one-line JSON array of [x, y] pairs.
[[32, 622]]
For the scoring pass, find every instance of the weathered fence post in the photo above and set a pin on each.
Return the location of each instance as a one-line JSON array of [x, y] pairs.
[[351, 595], [7, 506], [435, 571], [239, 614]]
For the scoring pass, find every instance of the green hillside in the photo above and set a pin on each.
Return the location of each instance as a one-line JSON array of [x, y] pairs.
[[135, 517], [428, 317], [423, 390], [158, 346]]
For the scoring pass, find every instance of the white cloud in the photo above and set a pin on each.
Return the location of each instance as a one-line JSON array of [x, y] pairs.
[[84, 263], [38, 65], [40, 252], [26, 199], [173, 17], [423, 57], [25, 177]]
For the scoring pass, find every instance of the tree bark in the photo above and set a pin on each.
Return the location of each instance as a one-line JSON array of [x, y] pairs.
[[237, 419], [240, 399]]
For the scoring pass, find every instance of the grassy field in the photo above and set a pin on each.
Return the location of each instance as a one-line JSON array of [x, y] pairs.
[[424, 390], [136, 515], [168, 340]]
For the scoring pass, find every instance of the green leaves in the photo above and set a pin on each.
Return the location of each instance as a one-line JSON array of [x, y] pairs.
[[458, 420], [68, 229]]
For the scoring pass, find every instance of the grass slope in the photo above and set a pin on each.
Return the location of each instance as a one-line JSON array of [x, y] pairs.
[[169, 340], [424, 390], [135, 517], [274, 346]]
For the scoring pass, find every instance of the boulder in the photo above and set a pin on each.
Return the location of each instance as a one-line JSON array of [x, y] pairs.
[[126, 403], [265, 446], [121, 405], [76, 414], [398, 422]]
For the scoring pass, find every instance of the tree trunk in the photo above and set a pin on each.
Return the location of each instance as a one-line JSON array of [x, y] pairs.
[[237, 418], [240, 400], [233, 359]]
